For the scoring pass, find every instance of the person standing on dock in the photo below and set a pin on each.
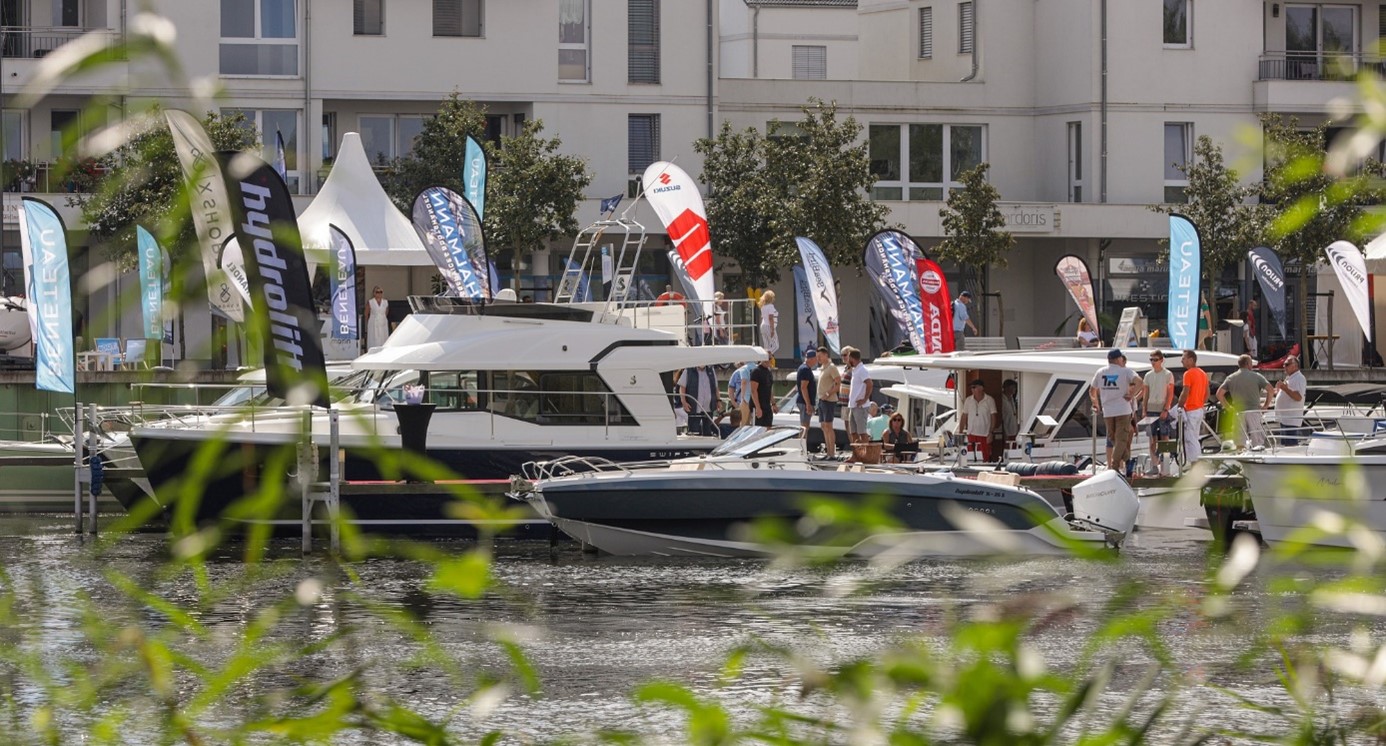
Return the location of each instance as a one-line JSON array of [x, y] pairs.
[[1113, 391], [377, 319], [829, 379], [1192, 400], [961, 321], [1157, 393], [979, 418]]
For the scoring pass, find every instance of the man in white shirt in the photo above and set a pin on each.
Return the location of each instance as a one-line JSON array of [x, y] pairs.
[[1113, 390], [858, 397], [1289, 401], [979, 418]]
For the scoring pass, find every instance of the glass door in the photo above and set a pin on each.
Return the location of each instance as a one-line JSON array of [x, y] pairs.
[[1320, 41]]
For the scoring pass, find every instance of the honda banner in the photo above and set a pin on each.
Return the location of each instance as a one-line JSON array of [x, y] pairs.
[[43, 251], [342, 280], [151, 263], [803, 310], [211, 212], [675, 199], [1351, 269], [938, 309], [1185, 269], [451, 231], [474, 176], [890, 261], [281, 293], [820, 282], [1271, 274], [1073, 273]]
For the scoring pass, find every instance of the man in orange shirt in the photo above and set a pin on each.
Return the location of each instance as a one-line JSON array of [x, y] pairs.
[[1192, 401]]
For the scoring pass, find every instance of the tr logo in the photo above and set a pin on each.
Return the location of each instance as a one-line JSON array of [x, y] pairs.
[[665, 178]]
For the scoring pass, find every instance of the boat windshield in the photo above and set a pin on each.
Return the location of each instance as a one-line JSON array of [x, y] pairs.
[[750, 440]]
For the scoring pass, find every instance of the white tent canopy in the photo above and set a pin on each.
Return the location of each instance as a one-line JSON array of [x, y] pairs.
[[1375, 255], [353, 200]]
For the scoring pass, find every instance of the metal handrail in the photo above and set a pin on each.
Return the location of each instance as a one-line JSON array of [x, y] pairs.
[[1316, 65], [19, 42]]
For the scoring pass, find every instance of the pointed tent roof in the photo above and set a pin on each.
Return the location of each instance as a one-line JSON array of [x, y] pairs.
[[353, 200]]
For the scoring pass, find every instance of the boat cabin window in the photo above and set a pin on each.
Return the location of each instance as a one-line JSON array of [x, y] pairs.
[[1078, 424], [453, 390], [555, 398]]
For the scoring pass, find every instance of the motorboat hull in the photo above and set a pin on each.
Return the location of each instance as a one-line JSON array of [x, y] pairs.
[[1291, 492], [709, 513]]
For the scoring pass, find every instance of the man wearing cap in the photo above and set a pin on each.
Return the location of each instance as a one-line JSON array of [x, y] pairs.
[[979, 418], [1114, 388], [808, 390], [961, 320], [1157, 392]]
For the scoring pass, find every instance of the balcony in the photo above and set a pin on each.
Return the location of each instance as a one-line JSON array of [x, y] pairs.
[[1311, 66], [1303, 83], [50, 178], [35, 42]]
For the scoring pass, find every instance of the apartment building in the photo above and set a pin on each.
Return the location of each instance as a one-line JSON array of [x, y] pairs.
[[1080, 106]]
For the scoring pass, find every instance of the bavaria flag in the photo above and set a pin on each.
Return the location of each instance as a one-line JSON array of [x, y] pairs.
[[610, 203]]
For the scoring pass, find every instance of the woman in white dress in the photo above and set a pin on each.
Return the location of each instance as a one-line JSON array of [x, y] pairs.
[[769, 324], [377, 319]]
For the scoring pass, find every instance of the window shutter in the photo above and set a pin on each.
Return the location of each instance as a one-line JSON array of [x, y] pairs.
[[810, 63], [643, 141], [447, 17], [926, 33], [1381, 24], [642, 60], [965, 27]]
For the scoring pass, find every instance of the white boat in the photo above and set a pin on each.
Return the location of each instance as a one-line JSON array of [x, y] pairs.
[[890, 382], [706, 505]]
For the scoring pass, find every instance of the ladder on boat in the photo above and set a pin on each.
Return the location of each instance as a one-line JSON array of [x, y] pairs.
[[594, 248]]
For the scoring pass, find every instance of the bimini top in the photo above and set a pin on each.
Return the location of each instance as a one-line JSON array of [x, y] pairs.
[[1083, 362]]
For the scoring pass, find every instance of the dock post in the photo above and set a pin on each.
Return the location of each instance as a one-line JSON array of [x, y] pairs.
[[93, 434], [78, 446], [334, 477]]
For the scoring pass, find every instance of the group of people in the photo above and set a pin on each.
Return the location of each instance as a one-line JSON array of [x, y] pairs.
[[1123, 398]]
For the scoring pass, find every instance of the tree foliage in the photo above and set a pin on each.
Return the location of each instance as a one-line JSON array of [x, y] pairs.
[[974, 232], [807, 178], [146, 186], [439, 151]]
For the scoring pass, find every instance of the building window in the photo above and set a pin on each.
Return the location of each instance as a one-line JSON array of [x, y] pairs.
[[1075, 161], [810, 62], [574, 39], [642, 131], [272, 124], [642, 41], [259, 37], [1178, 153], [12, 136], [495, 128], [922, 161], [965, 28], [1318, 36], [1178, 31], [368, 17], [386, 137], [457, 17], [67, 13], [926, 33]]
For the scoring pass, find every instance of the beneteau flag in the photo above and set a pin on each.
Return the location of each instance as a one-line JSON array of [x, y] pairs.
[[151, 260], [281, 294], [451, 231], [1185, 262], [938, 307], [343, 285], [474, 176], [803, 306], [1073, 273], [210, 210], [890, 261], [820, 282], [675, 199], [43, 250], [1351, 269], [1271, 274]]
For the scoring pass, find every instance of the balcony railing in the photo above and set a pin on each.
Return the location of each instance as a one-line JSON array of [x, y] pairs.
[[50, 178], [1317, 66], [32, 42]]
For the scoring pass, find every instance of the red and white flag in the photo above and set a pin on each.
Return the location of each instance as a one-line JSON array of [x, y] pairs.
[[938, 309], [675, 199]]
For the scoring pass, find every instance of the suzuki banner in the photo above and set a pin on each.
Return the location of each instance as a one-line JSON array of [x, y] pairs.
[[474, 176], [281, 293], [151, 263], [938, 308], [675, 199], [1185, 269], [43, 251], [820, 282], [342, 277], [1351, 269], [450, 230], [803, 308], [1271, 274], [1073, 273], [211, 212], [890, 261]]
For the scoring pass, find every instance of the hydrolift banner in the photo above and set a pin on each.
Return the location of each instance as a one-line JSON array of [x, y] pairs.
[[803, 307], [451, 231], [1351, 269], [1185, 269], [890, 261], [281, 294], [675, 199], [1271, 274], [211, 211], [938, 308], [43, 248], [1073, 273], [151, 259], [345, 310], [474, 176], [820, 281]]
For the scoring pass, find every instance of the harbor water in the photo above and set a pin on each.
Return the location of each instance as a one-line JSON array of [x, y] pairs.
[[597, 627]]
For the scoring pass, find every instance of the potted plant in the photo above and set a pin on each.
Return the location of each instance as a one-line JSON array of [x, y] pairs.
[[18, 175]]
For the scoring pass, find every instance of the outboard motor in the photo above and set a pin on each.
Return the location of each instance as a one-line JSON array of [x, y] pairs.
[[1106, 503]]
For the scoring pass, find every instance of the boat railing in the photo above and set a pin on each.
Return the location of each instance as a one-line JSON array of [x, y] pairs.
[[729, 321], [36, 427], [567, 466]]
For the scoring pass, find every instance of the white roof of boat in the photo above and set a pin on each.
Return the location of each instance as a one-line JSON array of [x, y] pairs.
[[1072, 362], [945, 397]]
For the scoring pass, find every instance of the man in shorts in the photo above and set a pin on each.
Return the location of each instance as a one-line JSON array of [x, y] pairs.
[[858, 397], [1114, 389], [1157, 395], [828, 381], [808, 390]]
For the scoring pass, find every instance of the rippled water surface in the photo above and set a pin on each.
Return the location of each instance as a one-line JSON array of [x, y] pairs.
[[596, 627]]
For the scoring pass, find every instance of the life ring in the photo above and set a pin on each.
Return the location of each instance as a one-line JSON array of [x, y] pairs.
[[666, 298]]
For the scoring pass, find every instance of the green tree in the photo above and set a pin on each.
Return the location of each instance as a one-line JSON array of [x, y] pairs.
[[973, 228], [439, 152], [1217, 202], [805, 178]]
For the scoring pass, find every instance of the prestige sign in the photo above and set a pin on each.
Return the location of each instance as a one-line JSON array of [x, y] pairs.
[[1028, 218]]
